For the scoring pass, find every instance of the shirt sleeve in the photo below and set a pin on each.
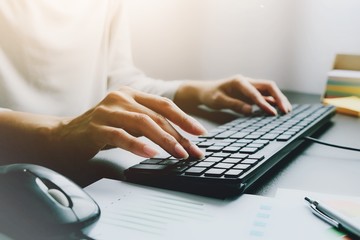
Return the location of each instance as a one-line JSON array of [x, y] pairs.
[[122, 71]]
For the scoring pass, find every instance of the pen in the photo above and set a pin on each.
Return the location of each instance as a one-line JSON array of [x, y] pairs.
[[334, 217]]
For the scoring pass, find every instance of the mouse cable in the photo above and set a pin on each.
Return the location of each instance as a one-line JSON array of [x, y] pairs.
[[330, 144]]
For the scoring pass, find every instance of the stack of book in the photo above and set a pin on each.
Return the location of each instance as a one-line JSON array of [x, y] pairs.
[[343, 85]]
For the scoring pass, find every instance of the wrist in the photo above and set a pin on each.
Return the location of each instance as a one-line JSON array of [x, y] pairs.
[[188, 94]]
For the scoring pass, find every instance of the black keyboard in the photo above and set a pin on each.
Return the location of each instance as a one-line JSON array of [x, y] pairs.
[[237, 153]]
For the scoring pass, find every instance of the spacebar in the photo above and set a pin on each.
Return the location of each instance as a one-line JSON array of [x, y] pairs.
[[148, 168]]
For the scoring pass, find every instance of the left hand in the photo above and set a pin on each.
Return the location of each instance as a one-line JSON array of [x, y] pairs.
[[237, 93]]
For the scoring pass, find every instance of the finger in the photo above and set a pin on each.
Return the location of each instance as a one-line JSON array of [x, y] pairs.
[[161, 121], [234, 104], [120, 138], [270, 100], [171, 111], [252, 93], [139, 124], [271, 88]]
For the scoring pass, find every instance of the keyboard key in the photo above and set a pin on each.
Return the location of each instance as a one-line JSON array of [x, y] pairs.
[[214, 148], [233, 173], [196, 171], [213, 159], [204, 164], [256, 156], [205, 144], [260, 141], [149, 168], [221, 155], [238, 145], [178, 169], [249, 161], [211, 134], [270, 136], [248, 150], [242, 166], [231, 149], [239, 135], [244, 141], [214, 172], [224, 165], [253, 136], [225, 134], [232, 160], [255, 145], [283, 137], [169, 162], [152, 161], [239, 155], [224, 144], [186, 163]]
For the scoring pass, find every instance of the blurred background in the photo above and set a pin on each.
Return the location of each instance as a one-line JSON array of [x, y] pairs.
[[293, 42]]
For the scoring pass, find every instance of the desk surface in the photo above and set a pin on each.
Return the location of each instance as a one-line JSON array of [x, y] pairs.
[[314, 168]]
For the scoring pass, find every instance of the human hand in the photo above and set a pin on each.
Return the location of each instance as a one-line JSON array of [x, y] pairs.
[[237, 93], [124, 115]]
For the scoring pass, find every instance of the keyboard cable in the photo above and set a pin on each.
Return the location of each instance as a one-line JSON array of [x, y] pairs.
[[330, 144]]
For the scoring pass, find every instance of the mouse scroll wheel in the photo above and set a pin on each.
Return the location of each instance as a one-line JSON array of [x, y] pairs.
[[59, 197]]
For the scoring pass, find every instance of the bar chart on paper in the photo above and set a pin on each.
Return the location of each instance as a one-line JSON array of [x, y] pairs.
[[137, 212]]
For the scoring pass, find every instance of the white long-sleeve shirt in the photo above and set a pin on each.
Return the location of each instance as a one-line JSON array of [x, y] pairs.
[[61, 57]]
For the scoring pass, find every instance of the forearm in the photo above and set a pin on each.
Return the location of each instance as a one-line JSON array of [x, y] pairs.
[[26, 137]]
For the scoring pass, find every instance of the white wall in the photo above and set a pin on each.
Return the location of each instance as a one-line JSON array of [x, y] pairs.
[[322, 29], [290, 41]]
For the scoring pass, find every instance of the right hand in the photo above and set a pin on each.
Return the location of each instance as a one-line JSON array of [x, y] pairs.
[[124, 115]]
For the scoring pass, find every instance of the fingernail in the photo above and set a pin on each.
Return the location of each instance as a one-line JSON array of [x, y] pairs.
[[196, 152], [274, 111], [290, 107], [149, 151], [180, 151]]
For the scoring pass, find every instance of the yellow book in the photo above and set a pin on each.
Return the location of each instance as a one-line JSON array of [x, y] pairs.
[[346, 105]]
